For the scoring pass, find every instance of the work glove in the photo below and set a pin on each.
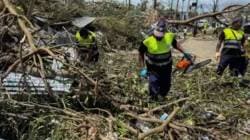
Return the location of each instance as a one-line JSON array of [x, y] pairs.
[[144, 73], [217, 56], [187, 56]]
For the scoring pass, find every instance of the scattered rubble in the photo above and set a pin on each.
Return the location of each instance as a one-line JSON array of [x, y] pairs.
[[107, 100]]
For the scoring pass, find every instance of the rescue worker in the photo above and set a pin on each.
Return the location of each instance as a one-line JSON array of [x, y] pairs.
[[232, 53], [205, 27], [185, 32], [155, 51], [87, 45]]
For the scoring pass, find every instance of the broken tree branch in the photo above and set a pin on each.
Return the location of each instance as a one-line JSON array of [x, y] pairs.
[[205, 16], [13, 66], [164, 106], [21, 22], [152, 120], [231, 6], [160, 128], [42, 73], [2, 10]]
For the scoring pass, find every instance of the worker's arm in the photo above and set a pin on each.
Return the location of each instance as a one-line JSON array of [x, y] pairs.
[[142, 50], [94, 43], [219, 44], [178, 47], [92, 49], [244, 42]]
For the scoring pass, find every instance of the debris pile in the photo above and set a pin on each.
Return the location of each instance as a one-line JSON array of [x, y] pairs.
[[107, 100]]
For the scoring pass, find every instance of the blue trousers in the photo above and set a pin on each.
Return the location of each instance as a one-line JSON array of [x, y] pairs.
[[237, 65], [160, 80]]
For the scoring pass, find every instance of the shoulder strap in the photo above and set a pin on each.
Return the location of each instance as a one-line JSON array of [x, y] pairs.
[[234, 35]]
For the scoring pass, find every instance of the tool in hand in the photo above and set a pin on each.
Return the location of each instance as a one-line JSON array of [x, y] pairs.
[[188, 64]]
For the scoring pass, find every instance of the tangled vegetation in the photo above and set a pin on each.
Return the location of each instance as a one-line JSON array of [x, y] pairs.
[[108, 100]]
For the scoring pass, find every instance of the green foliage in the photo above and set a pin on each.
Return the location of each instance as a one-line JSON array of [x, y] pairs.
[[121, 129]]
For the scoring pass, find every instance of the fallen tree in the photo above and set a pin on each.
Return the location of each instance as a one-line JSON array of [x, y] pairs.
[[110, 99], [209, 15]]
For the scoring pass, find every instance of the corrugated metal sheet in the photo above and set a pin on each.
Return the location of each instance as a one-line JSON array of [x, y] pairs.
[[82, 21], [15, 82]]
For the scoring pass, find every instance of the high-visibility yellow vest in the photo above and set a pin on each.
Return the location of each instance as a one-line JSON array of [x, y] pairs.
[[159, 47], [205, 26], [158, 52], [233, 38], [86, 42]]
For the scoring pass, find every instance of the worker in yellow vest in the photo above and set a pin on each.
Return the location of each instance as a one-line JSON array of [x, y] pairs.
[[155, 52], [232, 53], [87, 45], [205, 27]]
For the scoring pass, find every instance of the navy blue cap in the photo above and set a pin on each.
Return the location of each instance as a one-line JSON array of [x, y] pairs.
[[161, 23]]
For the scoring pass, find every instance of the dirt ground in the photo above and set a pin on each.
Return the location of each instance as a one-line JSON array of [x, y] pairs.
[[203, 48]]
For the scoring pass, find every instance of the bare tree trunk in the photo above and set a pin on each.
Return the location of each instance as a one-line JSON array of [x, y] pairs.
[[155, 4], [144, 5], [177, 9], [171, 5], [129, 4], [215, 5], [182, 10], [196, 23], [188, 8]]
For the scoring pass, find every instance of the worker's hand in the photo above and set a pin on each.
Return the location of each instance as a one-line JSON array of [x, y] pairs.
[[217, 56], [187, 56], [144, 73]]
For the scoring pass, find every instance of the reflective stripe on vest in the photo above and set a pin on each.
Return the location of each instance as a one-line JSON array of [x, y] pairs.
[[162, 61], [159, 52], [85, 42], [233, 38]]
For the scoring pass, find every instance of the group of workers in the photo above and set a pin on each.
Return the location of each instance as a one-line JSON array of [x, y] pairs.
[[155, 57]]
